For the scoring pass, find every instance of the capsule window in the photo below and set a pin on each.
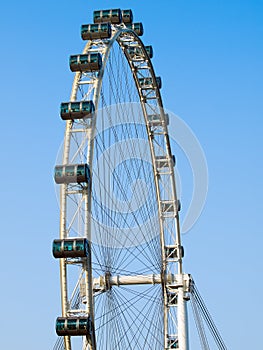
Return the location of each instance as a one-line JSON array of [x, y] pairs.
[[96, 15], [59, 171], [70, 171], [75, 106], [94, 28], [84, 59], [64, 108], [80, 246], [106, 14], [104, 27], [84, 27], [68, 246], [93, 58], [73, 59], [115, 13], [56, 247], [60, 324], [86, 106], [81, 170], [82, 324], [72, 324]]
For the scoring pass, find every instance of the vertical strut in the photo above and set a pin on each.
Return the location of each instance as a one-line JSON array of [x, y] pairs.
[[182, 320]]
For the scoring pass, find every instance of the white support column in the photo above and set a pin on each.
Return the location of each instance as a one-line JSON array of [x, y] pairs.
[[182, 320]]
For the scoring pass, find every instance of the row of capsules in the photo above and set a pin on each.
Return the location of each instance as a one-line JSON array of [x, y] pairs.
[[72, 248]]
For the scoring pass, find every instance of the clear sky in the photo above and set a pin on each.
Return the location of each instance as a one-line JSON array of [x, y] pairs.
[[209, 54]]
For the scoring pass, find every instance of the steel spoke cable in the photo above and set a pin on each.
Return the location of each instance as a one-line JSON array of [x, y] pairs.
[[122, 190], [207, 317], [210, 323], [118, 228], [199, 326], [135, 256], [139, 312]]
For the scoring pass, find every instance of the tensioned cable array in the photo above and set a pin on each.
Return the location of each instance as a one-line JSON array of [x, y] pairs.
[[201, 313]]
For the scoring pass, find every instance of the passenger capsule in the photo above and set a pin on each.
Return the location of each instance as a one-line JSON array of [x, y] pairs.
[[95, 31], [155, 120], [113, 16], [149, 50], [70, 248], [127, 16], [76, 110], [136, 27], [73, 326], [147, 83], [137, 51], [75, 173], [90, 62]]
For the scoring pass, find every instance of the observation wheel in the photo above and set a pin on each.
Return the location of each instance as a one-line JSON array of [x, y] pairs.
[[120, 253]]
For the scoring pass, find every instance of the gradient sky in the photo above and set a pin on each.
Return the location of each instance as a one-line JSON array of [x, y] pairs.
[[209, 55]]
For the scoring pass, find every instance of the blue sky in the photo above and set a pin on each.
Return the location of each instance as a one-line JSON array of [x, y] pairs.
[[209, 54]]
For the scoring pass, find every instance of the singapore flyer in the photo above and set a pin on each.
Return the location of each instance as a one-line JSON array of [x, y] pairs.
[[119, 248]]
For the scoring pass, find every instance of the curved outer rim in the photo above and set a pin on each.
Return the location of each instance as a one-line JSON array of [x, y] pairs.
[[118, 33]]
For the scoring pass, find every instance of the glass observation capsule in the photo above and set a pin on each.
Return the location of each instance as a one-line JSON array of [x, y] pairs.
[[136, 27], [73, 326], [146, 83], [95, 31], [137, 51], [90, 62], [127, 16], [75, 173], [76, 110], [70, 248], [149, 50], [113, 16], [155, 119]]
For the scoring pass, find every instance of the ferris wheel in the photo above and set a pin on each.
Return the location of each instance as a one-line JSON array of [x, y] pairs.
[[120, 252]]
